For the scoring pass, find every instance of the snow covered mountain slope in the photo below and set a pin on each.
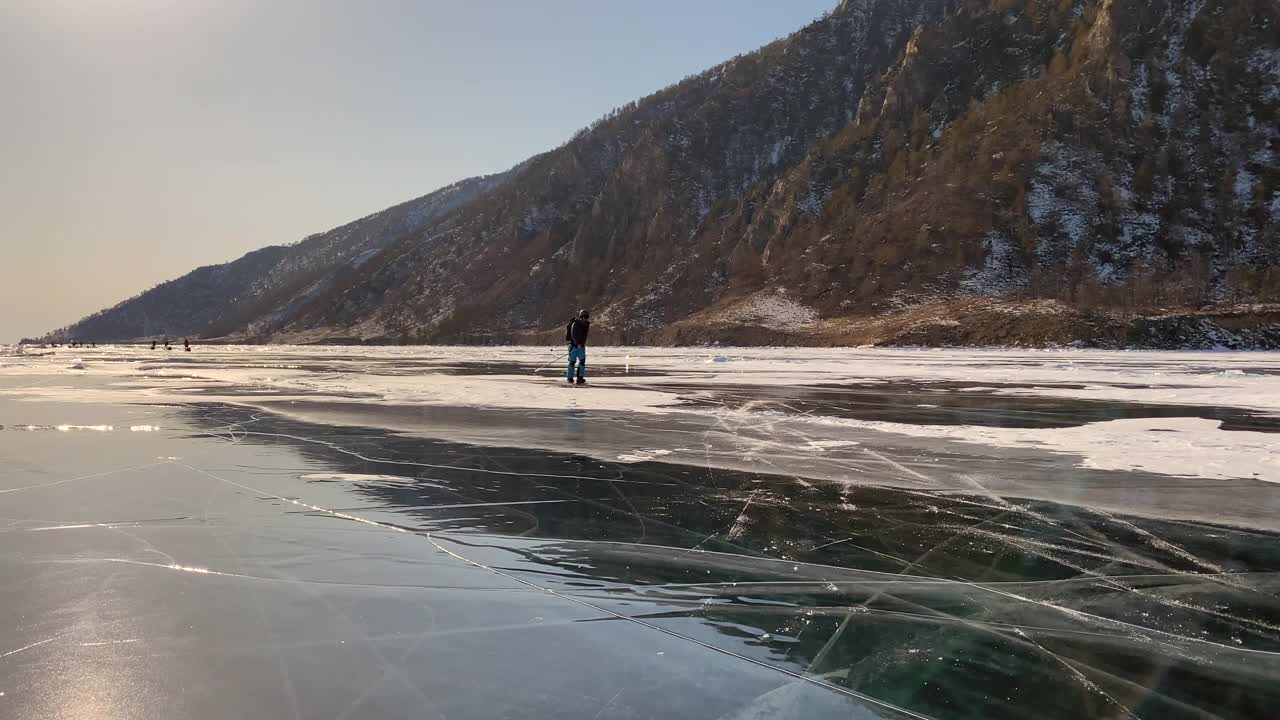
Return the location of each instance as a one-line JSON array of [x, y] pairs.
[[1119, 157]]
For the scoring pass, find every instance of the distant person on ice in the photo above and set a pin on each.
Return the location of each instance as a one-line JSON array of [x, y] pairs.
[[576, 336], [186, 344]]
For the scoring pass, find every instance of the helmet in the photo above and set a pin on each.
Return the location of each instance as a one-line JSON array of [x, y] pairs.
[[584, 314]]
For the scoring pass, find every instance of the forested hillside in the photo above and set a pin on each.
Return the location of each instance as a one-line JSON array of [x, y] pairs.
[[895, 158], [253, 293]]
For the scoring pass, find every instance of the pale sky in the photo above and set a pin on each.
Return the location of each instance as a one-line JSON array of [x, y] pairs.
[[144, 138]]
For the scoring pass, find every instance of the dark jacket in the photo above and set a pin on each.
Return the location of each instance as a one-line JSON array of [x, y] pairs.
[[576, 333]]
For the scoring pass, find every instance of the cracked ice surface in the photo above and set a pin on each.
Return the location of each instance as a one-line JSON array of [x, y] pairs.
[[441, 533]]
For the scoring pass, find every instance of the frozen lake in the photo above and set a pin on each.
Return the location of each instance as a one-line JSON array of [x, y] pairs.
[[450, 532]]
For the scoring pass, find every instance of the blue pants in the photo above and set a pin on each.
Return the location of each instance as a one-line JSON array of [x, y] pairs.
[[579, 355]]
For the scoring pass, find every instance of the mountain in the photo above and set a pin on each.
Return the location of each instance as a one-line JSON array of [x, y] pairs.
[[254, 293], [1024, 171]]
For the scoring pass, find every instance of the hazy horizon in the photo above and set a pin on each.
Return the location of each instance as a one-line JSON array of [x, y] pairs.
[[148, 138]]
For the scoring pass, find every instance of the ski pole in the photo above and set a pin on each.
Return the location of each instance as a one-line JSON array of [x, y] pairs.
[[562, 358]]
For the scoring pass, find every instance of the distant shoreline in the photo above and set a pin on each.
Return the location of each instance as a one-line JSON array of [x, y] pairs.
[[957, 323]]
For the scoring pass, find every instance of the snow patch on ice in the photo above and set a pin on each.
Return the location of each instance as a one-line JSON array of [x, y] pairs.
[[642, 455], [1180, 447], [821, 445]]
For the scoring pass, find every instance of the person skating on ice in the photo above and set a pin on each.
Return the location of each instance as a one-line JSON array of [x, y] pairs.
[[576, 335]]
